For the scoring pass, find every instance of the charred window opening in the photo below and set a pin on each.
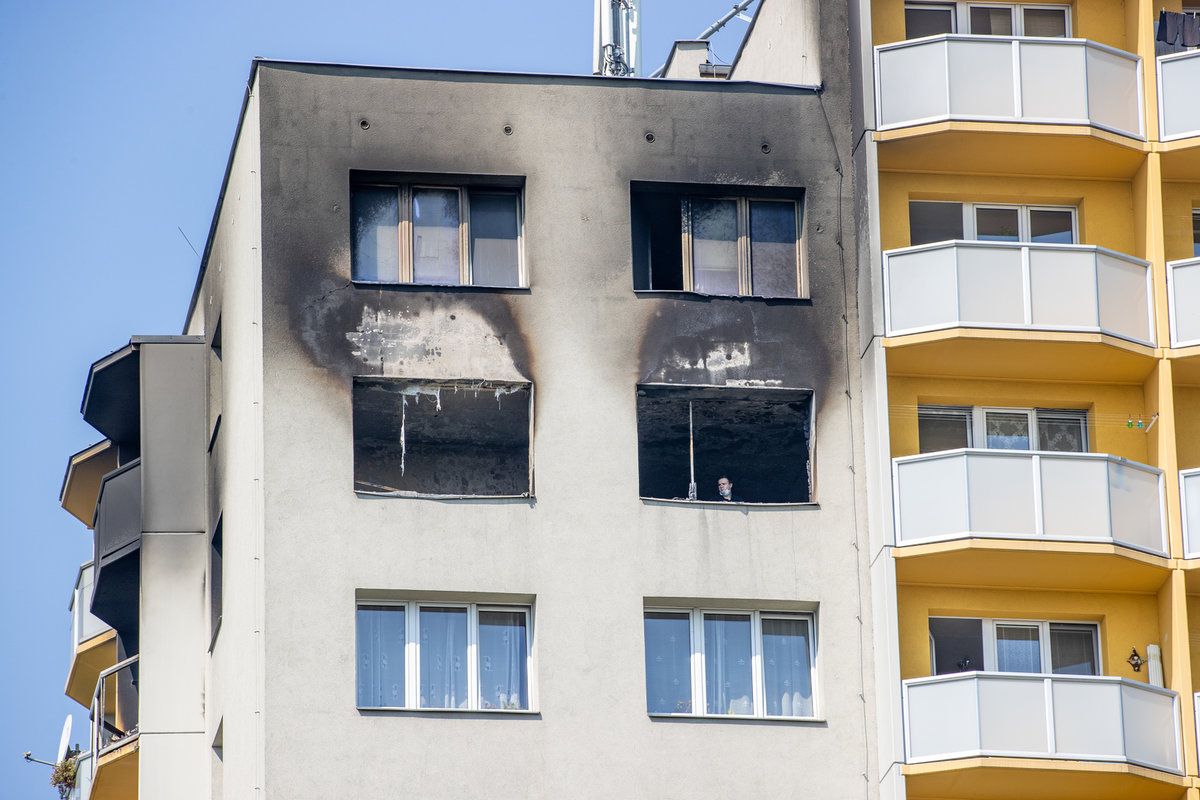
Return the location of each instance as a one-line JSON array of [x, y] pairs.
[[442, 438], [716, 240], [760, 440]]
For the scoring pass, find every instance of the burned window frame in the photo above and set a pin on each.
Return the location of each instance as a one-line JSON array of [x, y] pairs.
[[451, 384], [744, 197], [780, 394], [464, 186]]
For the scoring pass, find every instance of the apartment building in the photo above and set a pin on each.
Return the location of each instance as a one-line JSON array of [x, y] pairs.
[[1028, 183], [508, 449]]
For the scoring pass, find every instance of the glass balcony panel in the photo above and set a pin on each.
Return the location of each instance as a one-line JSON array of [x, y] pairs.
[[1136, 505], [1087, 719], [933, 497], [1179, 113], [1074, 498], [1012, 716], [923, 288], [913, 83], [1150, 738], [990, 286], [115, 708], [942, 718], [1190, 488], [1113, 90], [1062, 287], [981, 82], [1001, 495], [1053, 81], [1185, 299], [1124, 303]]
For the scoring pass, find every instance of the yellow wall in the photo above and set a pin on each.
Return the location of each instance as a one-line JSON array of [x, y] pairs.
[[1187, 426], [1108, 405], [1178, 201], [1099, 20], [1126, 620], [1105, 207]]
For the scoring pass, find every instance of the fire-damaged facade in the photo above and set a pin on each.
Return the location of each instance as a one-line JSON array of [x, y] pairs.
[[531, 455]]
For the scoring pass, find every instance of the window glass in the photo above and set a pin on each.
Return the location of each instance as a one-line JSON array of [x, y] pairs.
[[943, 428], [991, 21], [956, 645], [774, 267], [934, 222], [1007, 430], [787, 667], [1051, 226], [927, 20], [443, 659], [1018, 648], [1045, 21], [668, 662], [494, 231], [1195, 232], [503, 655], [997, 224], [714, 246], [728, 670], [1073, 649], [436, 243], [379, 646], [375, 245], [1062, 431]]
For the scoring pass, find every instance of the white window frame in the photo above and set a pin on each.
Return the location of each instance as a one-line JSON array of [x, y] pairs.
[[991, 656], [412, 655], [955, 13], [758, 678], [977, 428], [1017, 10], [1024, 225], [745, 267]]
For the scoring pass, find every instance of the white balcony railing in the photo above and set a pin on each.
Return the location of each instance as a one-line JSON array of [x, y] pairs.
[[84, 626], [1189, 495], [1178, 114], [82, 789], [1008, 79], [1061, 287], [1071, 717], [1183, 298], [1011, 494]]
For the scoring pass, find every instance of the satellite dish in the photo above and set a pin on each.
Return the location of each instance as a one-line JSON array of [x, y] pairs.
[[64, 740]]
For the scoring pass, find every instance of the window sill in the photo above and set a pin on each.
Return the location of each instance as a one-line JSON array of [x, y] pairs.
[[740, 718], [481, 712], [426, 287], [725, 504], [704, 296], [508, 498]]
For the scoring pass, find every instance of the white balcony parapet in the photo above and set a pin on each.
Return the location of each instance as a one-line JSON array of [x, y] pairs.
[[1008, 79], [84, 626], [1189, 495], [1015, 494], [1183, 300], [82, 789], [1021, 286], [1178, 76], [1069, 717]]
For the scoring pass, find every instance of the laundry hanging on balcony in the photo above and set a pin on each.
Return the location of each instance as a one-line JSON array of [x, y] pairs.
[[1178, 30]]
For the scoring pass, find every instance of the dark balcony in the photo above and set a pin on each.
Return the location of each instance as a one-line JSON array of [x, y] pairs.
[[118, 540]]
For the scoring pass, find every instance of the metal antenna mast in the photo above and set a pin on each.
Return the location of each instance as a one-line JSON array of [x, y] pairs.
[[736, 11], [618, 46]]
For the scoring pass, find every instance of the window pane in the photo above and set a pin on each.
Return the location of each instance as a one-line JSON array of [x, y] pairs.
[[943, 429], [435, 236], [1073, 649], [991, 21], [1195, 233], [787, 667], [443, 658], [1018, 648], [1062, 432], [714, 246], [494, 234], [379, 634], [956, 645], [1052, 227], [1007, 431], [774, 265], [927, 21], [375, 217], [503, 651], [1045, 22], [729, 686], [996, 224], [934, 222], [668, 663]]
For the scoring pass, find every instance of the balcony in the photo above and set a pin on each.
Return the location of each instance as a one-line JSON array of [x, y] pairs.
[[1178, 76], [1063, 717], [93, 641], [1065, 497], [1183, 294], [118, 534], [1015, 286], [1189, 493], [115, 733]]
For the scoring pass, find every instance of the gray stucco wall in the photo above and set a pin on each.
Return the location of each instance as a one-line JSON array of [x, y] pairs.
[[586, 547]]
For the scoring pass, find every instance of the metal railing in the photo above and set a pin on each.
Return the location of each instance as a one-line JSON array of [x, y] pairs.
[[1178, 76], [115, 707], [1072, 717], [1013, 285], [1008, 79], [84, 626], [1015, 494], [1183, 301]]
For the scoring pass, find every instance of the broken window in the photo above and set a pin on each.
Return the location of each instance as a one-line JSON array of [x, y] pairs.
[[758, 440], [703, 240], [442, 438], [462, 235]]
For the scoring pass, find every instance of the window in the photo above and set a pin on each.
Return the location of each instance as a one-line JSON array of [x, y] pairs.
[[1195, 232], [465, 438], [435, 234], [928, 19], [968, 644], [937, 221], [215, 386], [986, 19], [462, 656], [709, 242], [758, 440], [730, 663], [1045, 429], [215, 582]]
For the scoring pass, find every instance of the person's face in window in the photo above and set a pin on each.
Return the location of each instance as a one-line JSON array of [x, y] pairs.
[[725, 488]]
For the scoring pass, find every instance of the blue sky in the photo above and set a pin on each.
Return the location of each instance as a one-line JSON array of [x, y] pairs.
[[115, 123]]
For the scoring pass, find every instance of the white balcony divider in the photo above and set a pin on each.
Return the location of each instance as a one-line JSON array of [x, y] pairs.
[[1014, 494], [1189, 496], [1072, 717], [1178, 77], [1008, 79], [84, 626], [977, 284], [1183, 300]]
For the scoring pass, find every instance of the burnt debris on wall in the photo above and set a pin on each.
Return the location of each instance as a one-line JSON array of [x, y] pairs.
[[448, 438]]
